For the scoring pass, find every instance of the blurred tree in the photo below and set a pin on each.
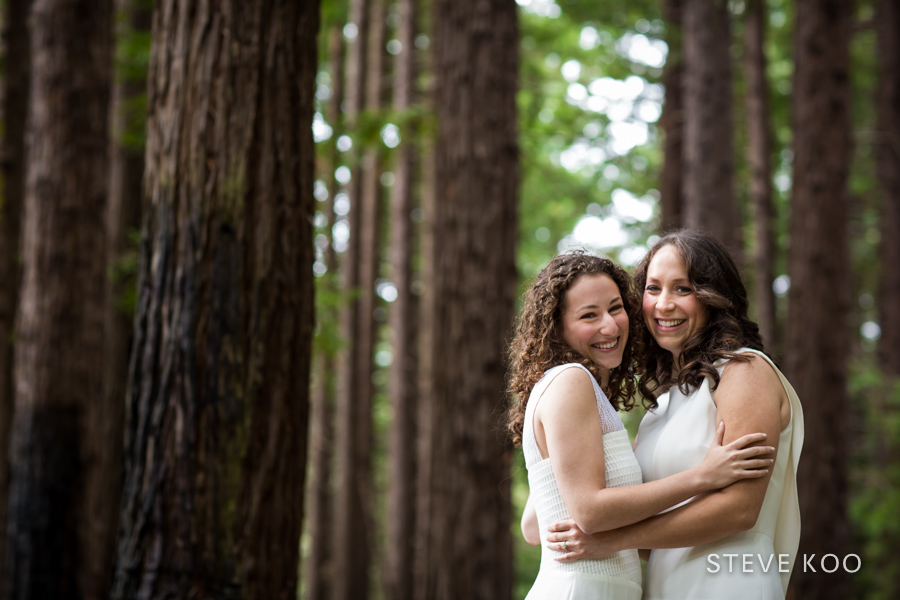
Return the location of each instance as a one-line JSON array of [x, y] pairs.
[[216, 425], [403, 321], [888, 144], [759, 153], [352, 535], [671, 188], [463, 542], [709, 202], [818, 334], [57, 451], [322, 450], [13, 111]]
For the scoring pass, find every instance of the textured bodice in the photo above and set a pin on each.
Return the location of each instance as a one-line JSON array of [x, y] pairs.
[[621, 470]]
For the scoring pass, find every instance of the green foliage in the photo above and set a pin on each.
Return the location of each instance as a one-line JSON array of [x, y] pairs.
[[875, 481]]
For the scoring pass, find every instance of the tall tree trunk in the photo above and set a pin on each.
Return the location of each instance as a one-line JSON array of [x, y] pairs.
[[759, 149], [55, 453], [13, 111], [126, 169], [709, 202], [403, 375], [672, 121], [217, 402], [466, 477], [352, 535], [888, 28], [818, 328], [320, 561]]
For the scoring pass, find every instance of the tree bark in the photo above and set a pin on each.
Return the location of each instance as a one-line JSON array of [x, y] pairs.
[[672, 121], [320, 564], [351, 525], [759, 151], [709, 202], [217, 402], [14, 108], [466, 457], [818, 265], [52, 529], [403, 375], [888, 31]]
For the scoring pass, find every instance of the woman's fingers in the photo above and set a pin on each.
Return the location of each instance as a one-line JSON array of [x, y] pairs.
[[748, 453], [720, 433], [564, 525], [742, 442]]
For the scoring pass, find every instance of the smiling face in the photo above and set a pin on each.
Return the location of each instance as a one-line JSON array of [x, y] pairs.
[[672, 312], [594, 322]]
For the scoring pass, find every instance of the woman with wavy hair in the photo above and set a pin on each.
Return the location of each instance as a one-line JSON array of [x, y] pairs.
[[706, 356], [572, 366]]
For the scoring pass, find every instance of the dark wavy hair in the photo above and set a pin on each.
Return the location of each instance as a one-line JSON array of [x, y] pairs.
[[538, 344], [717, 283]]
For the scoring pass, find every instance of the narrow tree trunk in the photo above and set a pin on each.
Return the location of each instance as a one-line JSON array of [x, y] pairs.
[[218, 385], [888, 27], [320, 561], [819, 265], [14, 108], [351, 531], [672, 121], [759, 149], [52, 530], [466, 478], [403, 383], [709, 202]]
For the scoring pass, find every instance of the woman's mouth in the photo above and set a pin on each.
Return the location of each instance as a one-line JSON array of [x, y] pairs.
[[606, 346], [669, 324]]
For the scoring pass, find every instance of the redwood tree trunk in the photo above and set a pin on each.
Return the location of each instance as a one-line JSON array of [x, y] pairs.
[[818, 329], [709, 202], [759, 149], [888, 28], [463, 542], [403, 376], [672, 121], [53, 532], [13, 111], [351, 526], [218, 385], [320, 560]]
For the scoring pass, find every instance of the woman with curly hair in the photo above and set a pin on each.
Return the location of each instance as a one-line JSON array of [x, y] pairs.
[[573, 365], [706, 355]]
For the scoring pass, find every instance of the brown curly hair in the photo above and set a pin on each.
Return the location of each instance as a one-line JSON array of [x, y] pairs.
[[717, 283], [538, 345]]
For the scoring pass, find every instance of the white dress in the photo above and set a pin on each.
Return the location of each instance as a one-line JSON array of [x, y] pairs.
[[616, 577], [675, 437]]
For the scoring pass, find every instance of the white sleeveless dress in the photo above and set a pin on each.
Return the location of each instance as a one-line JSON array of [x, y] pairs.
[[675, 437], [616, 577]]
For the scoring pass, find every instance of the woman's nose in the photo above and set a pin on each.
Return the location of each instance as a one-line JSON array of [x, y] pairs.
[[664, 301]]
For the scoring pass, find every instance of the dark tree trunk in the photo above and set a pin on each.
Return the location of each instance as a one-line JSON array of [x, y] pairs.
[[403, 375], [13, 110], [217, 402], [709, 202], [888, 27], [818, 329], [55, 453], [351, 527], [465, 478], [320, 561], [759, 150], [672, 121]]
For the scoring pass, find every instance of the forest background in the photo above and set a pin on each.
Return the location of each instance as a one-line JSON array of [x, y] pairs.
[[181, 417]]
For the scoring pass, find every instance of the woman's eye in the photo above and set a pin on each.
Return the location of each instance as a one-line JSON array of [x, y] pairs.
[[589, 315], [616, 308], [684, 290], [651, 288]]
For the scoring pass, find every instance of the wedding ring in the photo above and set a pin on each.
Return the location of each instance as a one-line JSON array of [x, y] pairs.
[[565, 549]]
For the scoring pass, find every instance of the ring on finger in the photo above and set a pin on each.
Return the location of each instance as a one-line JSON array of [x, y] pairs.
[[564, 547]]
